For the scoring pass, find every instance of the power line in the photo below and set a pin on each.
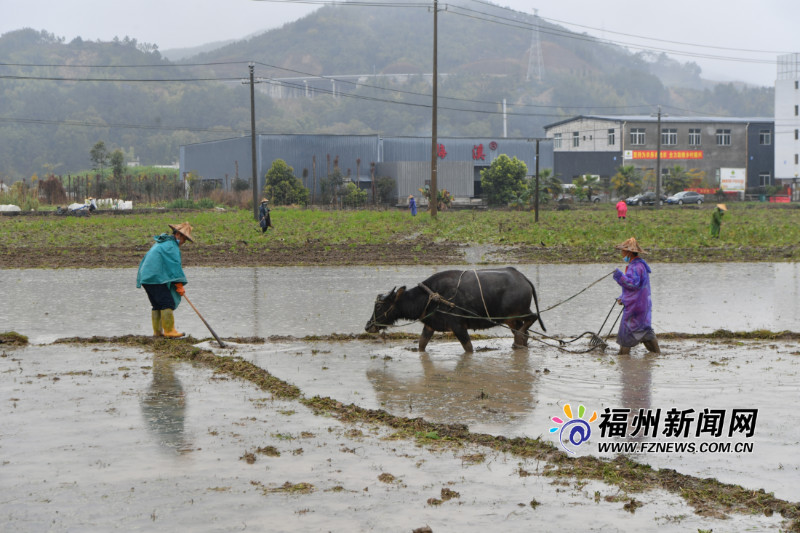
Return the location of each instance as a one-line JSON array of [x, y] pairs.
[[278, 81], [515, 23], [115, 80], [683, 43], [81, 123]]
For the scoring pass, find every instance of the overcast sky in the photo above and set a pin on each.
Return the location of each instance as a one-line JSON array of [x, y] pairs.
[[749, 34]]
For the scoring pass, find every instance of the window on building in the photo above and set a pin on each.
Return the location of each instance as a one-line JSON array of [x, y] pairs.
[[797, 84], [796, 134], [764, 179], [576, 138], [765, 137], [669, 136], [724, 137], [694, 136], [795, 160], [557, 140], [612, 140], [637, 136], [796, 109]]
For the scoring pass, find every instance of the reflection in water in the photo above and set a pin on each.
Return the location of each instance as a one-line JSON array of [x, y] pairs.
[[476, 389], [636, 374], [164, 405]]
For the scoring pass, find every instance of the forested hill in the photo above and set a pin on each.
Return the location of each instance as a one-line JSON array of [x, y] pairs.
[[57, 98]]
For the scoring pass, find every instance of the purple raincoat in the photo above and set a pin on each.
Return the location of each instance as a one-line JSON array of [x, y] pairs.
[[636, 316]]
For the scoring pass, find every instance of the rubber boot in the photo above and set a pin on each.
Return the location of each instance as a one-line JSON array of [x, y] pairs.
[[168, 320], [652, 346], [624, 350], [156, 317]]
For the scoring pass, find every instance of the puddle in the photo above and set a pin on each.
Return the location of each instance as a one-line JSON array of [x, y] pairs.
[[298, 301], [99, 438], [508, 392]]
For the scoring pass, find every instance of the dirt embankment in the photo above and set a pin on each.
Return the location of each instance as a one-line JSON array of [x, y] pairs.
[[416, 252], [226, 256]]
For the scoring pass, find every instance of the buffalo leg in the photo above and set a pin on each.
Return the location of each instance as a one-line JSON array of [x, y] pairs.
[[520, 329], [462, 335], [427, 333]]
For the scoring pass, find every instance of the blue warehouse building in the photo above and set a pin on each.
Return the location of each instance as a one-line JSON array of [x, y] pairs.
[[360, 158]]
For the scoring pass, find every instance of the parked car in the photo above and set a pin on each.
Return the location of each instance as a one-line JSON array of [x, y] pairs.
[[686, 197], [645, 198], [568, 195]]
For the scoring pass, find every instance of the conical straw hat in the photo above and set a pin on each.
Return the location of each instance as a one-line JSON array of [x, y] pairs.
[[630, 246], [184, 229]]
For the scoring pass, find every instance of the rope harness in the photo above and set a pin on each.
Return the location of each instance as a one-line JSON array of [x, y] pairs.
[[596, 340]]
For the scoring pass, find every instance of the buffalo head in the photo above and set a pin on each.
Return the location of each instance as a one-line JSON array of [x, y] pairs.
[[385, 312]]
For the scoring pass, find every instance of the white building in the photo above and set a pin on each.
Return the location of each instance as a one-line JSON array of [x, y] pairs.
[[787, 118]]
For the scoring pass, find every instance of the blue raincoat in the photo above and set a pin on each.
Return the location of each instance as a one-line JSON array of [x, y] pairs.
[[412, 203], [637, 314], [162, 265]]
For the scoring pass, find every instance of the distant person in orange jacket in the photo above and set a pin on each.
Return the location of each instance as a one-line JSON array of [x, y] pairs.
[[622, 210]]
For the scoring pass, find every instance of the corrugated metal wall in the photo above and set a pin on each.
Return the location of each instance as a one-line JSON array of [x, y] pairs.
[[455, 176], [218, 159], [312, 158], [301, 151], [468, 149]]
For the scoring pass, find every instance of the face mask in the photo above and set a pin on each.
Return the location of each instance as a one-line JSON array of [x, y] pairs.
[[627, 259]]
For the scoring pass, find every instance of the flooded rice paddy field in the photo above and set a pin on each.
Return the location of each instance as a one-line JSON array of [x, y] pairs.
[[96, 437], [102, 437], [302, 301]]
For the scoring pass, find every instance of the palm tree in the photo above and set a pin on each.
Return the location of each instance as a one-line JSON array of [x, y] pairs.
[[627, 181], [548, 184]]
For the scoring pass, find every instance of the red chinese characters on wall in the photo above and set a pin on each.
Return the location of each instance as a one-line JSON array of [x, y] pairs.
[[440, 151], [477, 152]]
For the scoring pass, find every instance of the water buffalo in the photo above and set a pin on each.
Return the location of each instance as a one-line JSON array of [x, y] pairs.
[[459, 300]]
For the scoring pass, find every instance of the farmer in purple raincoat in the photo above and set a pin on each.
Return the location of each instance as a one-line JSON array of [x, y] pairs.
[[635, 282]]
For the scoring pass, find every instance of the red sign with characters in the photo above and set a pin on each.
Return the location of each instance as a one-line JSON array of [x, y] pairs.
[[477, 152], [441, 152], [667, 154]]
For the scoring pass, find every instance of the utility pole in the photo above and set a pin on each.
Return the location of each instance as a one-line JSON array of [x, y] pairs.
[[658, 163], [252, 83], [434, 195], [536, 193]]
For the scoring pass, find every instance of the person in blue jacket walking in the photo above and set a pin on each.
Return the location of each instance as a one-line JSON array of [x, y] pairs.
[[412, 204], [636, 325], [161, 275]]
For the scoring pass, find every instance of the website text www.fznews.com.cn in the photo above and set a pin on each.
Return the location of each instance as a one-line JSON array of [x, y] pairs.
[[675, 447]]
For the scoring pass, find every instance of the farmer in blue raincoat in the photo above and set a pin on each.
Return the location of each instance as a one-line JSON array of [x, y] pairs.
[[636, 317], [412, 204], [161, 275]]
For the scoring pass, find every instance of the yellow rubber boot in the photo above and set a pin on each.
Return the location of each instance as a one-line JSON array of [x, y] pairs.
[[168, 321], [156, 317]]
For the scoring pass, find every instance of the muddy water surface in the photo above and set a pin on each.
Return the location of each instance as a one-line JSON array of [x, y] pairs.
[[509, 392], [102, 438], [99, 438], [243, 302]]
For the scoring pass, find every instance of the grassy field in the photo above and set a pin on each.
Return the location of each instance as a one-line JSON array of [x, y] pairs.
[[750, 231]]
